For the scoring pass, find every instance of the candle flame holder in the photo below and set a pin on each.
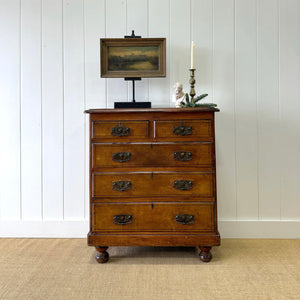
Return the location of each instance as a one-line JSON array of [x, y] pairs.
[[192, 83]]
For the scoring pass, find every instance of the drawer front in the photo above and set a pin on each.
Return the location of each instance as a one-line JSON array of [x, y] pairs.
[[184, 129], [153, 184], [120, 130], [150, 217], [154, 155]]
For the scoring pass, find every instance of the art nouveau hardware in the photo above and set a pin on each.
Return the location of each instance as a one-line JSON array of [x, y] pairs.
[[121, 156], [122, 219], [183, 155], [183, 130], [120, 130], [121, 186], [183, 185], [184, 219]]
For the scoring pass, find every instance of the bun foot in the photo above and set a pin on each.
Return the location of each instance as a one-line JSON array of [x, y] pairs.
[[205, 254], [102, 256]]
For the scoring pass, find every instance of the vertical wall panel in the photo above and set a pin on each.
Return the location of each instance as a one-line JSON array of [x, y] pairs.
[[159, 26], [95, 87], [137, 20], [137, 17], [180, 43], [290, 107], [224, 85], [246, 117], [202, 35], [52, 109], [31, 109], [94, 24], [116, 28], [268, 111], [10, 109], [74, 149]]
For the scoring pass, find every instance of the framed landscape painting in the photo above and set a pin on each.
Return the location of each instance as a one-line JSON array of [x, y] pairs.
[[133, 57]]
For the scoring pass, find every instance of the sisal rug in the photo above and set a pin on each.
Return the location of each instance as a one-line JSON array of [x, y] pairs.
[[66, 269]]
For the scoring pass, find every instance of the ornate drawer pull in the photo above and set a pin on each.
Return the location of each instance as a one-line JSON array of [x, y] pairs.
[[183, 185], [121, 186], [122, 219], [184, 219], [120, 130], [183, 155], [121, 156], [183, 130]]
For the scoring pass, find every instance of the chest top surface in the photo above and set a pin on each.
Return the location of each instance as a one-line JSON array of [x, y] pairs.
[[153, 110]]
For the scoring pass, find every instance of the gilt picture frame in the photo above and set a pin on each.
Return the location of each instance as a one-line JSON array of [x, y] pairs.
[[132, 57]]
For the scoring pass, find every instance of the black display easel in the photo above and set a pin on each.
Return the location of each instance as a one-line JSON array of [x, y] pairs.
[[132, 104]]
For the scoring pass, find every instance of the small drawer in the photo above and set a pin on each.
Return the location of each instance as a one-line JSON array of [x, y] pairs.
[[153, 217], [184, 129], [153, 184], [119, 130], [154, 155]]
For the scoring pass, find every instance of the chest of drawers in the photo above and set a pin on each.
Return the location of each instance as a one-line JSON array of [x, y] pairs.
[[152, 179]]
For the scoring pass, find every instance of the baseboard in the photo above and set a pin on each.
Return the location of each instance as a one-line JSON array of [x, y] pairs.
[[44, 229], [79, 229], [281, 229]]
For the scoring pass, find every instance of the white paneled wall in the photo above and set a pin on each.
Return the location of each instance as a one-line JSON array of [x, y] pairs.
[[52, 110], [247, 58]]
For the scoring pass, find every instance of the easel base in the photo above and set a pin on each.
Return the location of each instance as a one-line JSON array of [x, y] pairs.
[[132, 105]]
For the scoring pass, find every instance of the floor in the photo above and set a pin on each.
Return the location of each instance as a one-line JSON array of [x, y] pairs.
[[66, 269]]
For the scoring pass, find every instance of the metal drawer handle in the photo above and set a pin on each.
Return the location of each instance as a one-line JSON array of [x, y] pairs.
[[183, 155], [122, 219], [120, 130], [121, 186], [183, 130], [184, 219], [183, 185], [121, 156]]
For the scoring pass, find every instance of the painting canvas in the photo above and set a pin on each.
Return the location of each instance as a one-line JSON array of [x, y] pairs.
[[132, 58], [135, 57]]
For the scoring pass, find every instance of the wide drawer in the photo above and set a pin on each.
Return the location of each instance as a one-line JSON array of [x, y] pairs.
[[152, 154], [184, 129], [150, 217], [120, 130], [153, 184]]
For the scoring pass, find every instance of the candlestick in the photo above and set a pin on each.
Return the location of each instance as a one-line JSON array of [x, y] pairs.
[[192, 55], [192, 83]]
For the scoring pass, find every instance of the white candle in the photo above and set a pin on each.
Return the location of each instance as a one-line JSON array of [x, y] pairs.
[[192, 55]]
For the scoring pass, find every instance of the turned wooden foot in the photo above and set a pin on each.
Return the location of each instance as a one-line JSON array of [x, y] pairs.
[[205, 254], [102, 256]]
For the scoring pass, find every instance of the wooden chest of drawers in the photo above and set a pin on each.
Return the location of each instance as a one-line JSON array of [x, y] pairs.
[[152, 179]]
